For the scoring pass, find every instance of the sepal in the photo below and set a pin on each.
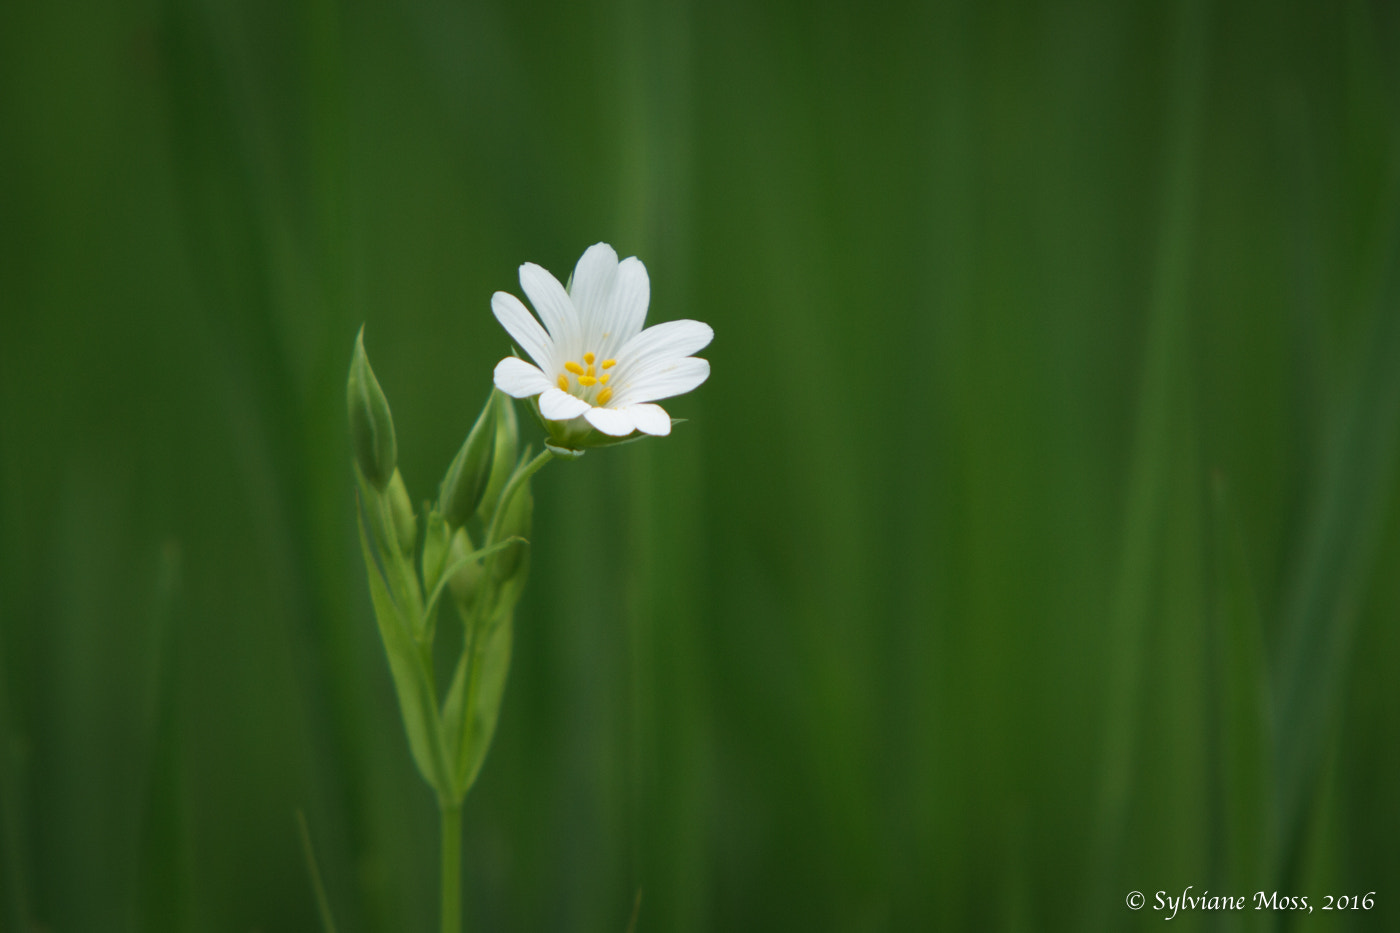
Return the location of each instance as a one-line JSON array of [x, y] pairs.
[[371, 423]]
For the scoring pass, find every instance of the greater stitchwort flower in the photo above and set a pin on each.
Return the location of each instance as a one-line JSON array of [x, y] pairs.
[[595, 367], [596, 380]]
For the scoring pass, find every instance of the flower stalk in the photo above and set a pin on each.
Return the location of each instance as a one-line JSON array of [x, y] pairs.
[[451, 821]]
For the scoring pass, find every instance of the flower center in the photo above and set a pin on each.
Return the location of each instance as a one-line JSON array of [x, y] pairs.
[[592, 388]]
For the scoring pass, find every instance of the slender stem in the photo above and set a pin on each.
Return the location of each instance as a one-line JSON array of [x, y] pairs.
[[520, 476], [452, 812], [451, 866]]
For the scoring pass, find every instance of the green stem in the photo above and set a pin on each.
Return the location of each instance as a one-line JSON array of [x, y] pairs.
[[520, 476], [452, 812], [451, 866]]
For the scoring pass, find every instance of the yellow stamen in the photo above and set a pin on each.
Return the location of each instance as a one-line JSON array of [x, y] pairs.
[[574, 368], [591, 372], [589, 358], [609, 364], [586, 380], [603, 380], [604, 395], [564, 382]]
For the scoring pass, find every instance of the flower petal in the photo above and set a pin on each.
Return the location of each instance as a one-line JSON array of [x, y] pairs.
[[523, 328], [519, 379], [671, 340], [591, 289], [611, 421], [627, 309], [662, 380], [554, 306], [651, 419], [558, 405]]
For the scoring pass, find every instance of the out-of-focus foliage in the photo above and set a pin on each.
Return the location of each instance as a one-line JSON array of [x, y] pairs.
[[1034, 540]]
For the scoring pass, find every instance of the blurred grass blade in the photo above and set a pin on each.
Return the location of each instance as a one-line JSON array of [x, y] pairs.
[[1322, 601], [1161, 393], [164, 882], [323, 904], [14, 869], [1244, 736]]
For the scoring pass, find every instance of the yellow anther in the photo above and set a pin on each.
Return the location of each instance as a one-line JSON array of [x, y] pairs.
[[586, 380], [603, 379], [604, 395], [589, 358], [574, 368], [564, 382], [609, 364]]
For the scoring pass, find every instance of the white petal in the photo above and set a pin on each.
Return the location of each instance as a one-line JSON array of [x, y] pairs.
[[671, 340], [554, 306], [651, 419], [612, 421], [663, 380], [519, 379], [523, 328], [558, 405], [627, 309], [592, 288]]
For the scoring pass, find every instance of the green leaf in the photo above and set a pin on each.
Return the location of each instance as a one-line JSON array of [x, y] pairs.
[[412, 680], [486, 686]]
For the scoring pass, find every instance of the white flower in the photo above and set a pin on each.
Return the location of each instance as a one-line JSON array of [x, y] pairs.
[[592, 359]]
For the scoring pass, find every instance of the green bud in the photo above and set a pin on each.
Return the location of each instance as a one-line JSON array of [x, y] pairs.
[[465, 481], [436, 544], [401, 510], [507, 450], [371, 424], [515, 522], [466, 582]]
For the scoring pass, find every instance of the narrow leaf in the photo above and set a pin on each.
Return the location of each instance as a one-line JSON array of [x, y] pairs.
[[462, 561], [411, 680], [487, 686]]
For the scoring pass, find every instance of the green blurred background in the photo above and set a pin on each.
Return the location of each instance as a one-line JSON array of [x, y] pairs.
[[1034, 540]]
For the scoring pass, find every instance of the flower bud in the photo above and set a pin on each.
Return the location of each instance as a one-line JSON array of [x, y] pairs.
[[467, 580], [507, 449], [515, 523], [401, 510], [371, 424], [436, 544], [465, 481]]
